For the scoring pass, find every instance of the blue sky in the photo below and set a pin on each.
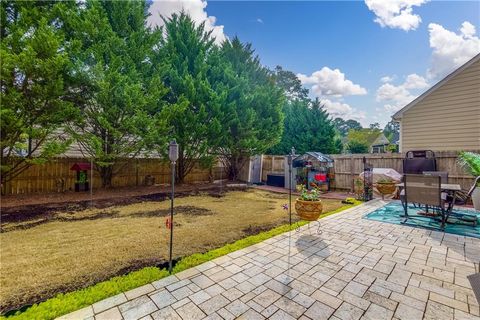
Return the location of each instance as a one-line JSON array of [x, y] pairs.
[[351, 45]]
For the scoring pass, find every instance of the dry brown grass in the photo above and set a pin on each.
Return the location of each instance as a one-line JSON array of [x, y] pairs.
[[64, 255]]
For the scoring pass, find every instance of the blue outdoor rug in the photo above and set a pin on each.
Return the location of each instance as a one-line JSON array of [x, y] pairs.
[[391, 213]]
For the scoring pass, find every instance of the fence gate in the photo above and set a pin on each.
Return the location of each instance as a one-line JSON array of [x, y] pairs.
[[256, 170]]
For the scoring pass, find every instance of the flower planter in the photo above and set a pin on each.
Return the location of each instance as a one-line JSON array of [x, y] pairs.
[[309, 210], [386, 187], [81, 186], [476, 198]]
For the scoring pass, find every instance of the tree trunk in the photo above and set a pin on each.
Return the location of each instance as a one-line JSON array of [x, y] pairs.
[[106, 173], [235, 164], [181, 167]]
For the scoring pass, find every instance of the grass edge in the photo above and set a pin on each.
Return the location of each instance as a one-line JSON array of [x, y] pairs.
[[65, 303]]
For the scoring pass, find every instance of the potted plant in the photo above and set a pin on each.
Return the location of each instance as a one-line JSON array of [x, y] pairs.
[[470, 161], [386, 186], [309, 206]]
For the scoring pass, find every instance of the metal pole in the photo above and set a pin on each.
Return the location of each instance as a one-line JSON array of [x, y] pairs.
[[171, 218], [290, 192], [91, 182], [290, 163]]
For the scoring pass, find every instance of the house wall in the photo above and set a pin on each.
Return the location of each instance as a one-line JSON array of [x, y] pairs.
[[448, 118]]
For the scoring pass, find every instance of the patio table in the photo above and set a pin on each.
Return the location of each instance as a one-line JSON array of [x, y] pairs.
[[444, 186]]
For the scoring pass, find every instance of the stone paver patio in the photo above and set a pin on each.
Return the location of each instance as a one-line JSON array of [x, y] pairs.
[[354, 269]]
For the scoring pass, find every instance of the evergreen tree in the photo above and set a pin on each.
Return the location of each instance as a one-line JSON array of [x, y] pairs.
[[307, 124], [308, 128], [35, 84], [124, 113], [196, 116], [252, 119]]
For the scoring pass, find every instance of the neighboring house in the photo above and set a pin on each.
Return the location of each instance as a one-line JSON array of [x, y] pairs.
[[380, 144], [445, 117], [376, 141]]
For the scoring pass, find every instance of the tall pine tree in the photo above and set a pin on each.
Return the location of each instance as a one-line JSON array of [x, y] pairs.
[[124, 113], [35, 84], [195, 106], [252, 119], [307, 123]]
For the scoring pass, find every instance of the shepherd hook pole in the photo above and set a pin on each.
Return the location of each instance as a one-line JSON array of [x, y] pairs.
[[173, 155], [290, 162], [171, 218], [290, 192]]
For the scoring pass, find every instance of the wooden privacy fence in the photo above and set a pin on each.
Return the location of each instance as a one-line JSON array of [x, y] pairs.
[[272, 164], [56, 176], [348, 166]]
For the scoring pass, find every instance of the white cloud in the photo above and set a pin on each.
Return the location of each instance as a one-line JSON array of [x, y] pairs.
[[399, 96], [259, 20], [414, 81], [195, 8], [387, 79], [343, 110], [392, 107], [451, 50], [389, 92], [396, 13], [328, 82]]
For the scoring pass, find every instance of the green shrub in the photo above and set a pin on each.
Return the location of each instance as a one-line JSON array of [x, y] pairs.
[[470, 161], [68, 302]]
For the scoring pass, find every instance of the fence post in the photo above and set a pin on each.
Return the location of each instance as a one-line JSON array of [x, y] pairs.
[[136, 172], [352, 174]]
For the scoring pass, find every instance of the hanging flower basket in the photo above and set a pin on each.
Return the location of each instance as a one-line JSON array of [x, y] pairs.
[[309, 210], [309, 207]]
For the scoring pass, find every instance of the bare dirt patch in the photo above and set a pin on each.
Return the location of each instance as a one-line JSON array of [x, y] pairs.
[[80, 248], [24, 216]]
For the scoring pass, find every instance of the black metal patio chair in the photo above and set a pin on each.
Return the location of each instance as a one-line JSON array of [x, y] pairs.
[[427, 191]]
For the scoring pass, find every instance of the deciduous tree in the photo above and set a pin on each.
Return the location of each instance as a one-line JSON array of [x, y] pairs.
[[343, 126], [392, 131]]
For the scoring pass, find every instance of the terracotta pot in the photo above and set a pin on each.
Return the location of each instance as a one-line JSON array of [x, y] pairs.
[[309, 210], [386, 187]]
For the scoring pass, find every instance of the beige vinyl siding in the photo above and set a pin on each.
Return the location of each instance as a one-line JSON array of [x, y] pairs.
[[448, 118]]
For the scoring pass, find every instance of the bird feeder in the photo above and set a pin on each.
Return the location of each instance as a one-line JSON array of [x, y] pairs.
[[82, 183]]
